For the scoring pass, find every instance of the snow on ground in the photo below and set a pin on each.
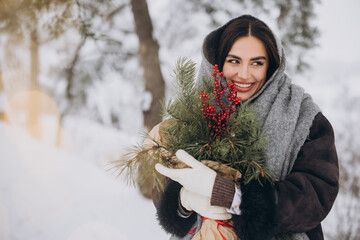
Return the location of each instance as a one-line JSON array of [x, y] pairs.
[[47, 193]]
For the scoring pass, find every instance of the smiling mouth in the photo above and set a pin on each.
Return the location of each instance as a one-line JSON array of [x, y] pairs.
[[243, 85]]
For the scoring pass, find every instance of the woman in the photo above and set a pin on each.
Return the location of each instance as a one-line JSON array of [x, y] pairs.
[[300, 151]]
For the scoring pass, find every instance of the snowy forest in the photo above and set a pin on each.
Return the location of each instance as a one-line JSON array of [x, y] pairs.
[[82, 80]]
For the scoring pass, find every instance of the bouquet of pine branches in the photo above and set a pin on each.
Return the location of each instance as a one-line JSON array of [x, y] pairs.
[[208, 121]]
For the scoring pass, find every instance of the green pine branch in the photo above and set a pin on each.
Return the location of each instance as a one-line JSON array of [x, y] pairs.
[[240, 146]]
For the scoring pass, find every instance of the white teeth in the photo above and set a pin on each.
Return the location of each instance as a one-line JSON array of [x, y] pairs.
[[243, 85]]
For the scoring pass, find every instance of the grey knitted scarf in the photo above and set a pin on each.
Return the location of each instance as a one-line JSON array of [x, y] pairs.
[[287, 113], [285, 110]]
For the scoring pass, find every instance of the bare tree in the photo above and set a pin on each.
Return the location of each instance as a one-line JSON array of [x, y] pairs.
[[23, 23], [2, 113], [149, 58], [154, 82]]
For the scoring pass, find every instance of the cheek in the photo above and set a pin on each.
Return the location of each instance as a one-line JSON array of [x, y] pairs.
[[228, 72], [259, 76]]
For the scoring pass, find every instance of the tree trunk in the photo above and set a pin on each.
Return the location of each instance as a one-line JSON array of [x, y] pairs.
[[154, 82], [34, 102], [34, 59], [149, 59], [3, 116], [1, 82], [69, 73]]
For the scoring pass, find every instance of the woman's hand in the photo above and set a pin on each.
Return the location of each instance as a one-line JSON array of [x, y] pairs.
[[201, 205], [197, 179]]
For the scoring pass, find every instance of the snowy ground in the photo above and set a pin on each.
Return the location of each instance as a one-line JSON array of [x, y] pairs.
[[47, 193]]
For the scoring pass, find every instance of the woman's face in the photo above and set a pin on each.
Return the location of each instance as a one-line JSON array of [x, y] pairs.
[[246, 65]]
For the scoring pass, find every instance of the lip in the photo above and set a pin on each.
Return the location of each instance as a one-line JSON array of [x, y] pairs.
[[243, 89]]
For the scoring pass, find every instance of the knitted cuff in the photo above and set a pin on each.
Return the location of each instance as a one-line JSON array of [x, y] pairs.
[[183, 212], [223, 192]]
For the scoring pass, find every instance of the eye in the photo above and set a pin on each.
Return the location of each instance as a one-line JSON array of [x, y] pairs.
[[233, 61], [257, 63]]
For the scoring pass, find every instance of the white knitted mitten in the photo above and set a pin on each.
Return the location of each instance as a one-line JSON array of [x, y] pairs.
[[201, 205], [197, 179]]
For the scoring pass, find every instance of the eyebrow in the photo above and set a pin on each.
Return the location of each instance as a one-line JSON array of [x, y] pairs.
[[252, 59]]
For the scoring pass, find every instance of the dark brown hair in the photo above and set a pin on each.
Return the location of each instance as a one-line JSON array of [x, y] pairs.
[[248, 25]]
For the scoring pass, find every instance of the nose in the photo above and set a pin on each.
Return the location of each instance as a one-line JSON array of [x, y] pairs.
[[243, 72]]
